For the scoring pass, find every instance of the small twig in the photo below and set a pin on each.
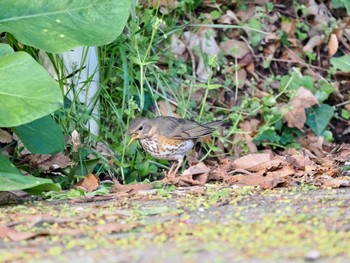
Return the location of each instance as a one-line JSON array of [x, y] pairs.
[[291, 61], [342, 103]]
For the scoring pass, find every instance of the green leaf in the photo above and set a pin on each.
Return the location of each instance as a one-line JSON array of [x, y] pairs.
[[318, 117], [214, 86], [11, 179], [215, 14], [27, 91], [305, 81], [289, 135], [5, 50], [42, 136], [323, 93], [342, 63], [268, 135], [341, 4], [345, 114], [57, 26]]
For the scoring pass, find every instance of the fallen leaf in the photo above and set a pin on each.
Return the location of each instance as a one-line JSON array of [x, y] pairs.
[[114, 227], [14, 235], [336, 183], [312, 142], [342, 153], [312, 43], [248, 127], [251, 160], [178, 47], [299, 161], [289, 27], [332, 45], [5, 136], [295, 114], [130, 188], [199, 168], [48, 163], [291, 55], [228, 18], [164, 109], [284, 172], [257, 180], [235, 48], [89, 183], [205, 40], [103, 149]]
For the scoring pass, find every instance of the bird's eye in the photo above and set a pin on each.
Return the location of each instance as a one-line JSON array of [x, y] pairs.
[[140, 128]]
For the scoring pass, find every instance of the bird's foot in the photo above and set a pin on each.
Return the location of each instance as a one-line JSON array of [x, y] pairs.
[[169, 174]]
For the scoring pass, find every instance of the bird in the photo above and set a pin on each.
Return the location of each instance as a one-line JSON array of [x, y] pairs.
[[169, 138]]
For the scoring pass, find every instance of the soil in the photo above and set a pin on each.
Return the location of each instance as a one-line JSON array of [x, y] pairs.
[[197, 224]]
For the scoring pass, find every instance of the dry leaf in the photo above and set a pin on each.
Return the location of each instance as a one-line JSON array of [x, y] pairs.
[[89, 183], [14, 235], [242, 78], [257, 180], [130, 188], [177, 46], [76, 140], [312, 142], [336, 183], [291, 55], [48, 163], [248, 127], [235, 48], [164, 109], [205, 40], [5, 136], [285, 171], [289, 27], [312, 43], [104, 149], [332, 45], [296, 117], [229, 18], [198, 174], [251, 160], [199, 168]]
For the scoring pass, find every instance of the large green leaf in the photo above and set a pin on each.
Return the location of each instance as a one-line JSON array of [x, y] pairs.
[[58, 26], [5, 50], [41, 136], [342, 63], [27, 91], [11, 179], [318, 117]]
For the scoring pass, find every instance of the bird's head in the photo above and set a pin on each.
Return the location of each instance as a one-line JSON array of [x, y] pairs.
[[139, 128]]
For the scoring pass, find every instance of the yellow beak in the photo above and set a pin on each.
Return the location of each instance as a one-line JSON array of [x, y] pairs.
[[134, 137]]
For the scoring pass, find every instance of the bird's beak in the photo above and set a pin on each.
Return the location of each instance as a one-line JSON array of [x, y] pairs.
[[134, 137]]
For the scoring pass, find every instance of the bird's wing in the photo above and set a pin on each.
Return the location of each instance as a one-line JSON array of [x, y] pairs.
[[182, 129]]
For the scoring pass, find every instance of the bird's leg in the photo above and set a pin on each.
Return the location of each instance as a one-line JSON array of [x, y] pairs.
[[171, 169], [173, 172]]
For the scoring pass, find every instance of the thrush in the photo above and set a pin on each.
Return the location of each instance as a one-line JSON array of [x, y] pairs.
[[169, 138]]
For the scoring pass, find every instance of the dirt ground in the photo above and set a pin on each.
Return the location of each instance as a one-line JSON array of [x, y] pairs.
[[198, 224]]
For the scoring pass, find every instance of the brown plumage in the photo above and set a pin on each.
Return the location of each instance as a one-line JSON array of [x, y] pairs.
[[169, 138]]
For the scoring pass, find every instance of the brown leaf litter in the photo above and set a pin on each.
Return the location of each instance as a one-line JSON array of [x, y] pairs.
[[14, 235], [269, 171], [89, 183], [49, 163]]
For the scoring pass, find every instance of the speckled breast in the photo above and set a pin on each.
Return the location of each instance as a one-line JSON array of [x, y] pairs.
[[168, 149]]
